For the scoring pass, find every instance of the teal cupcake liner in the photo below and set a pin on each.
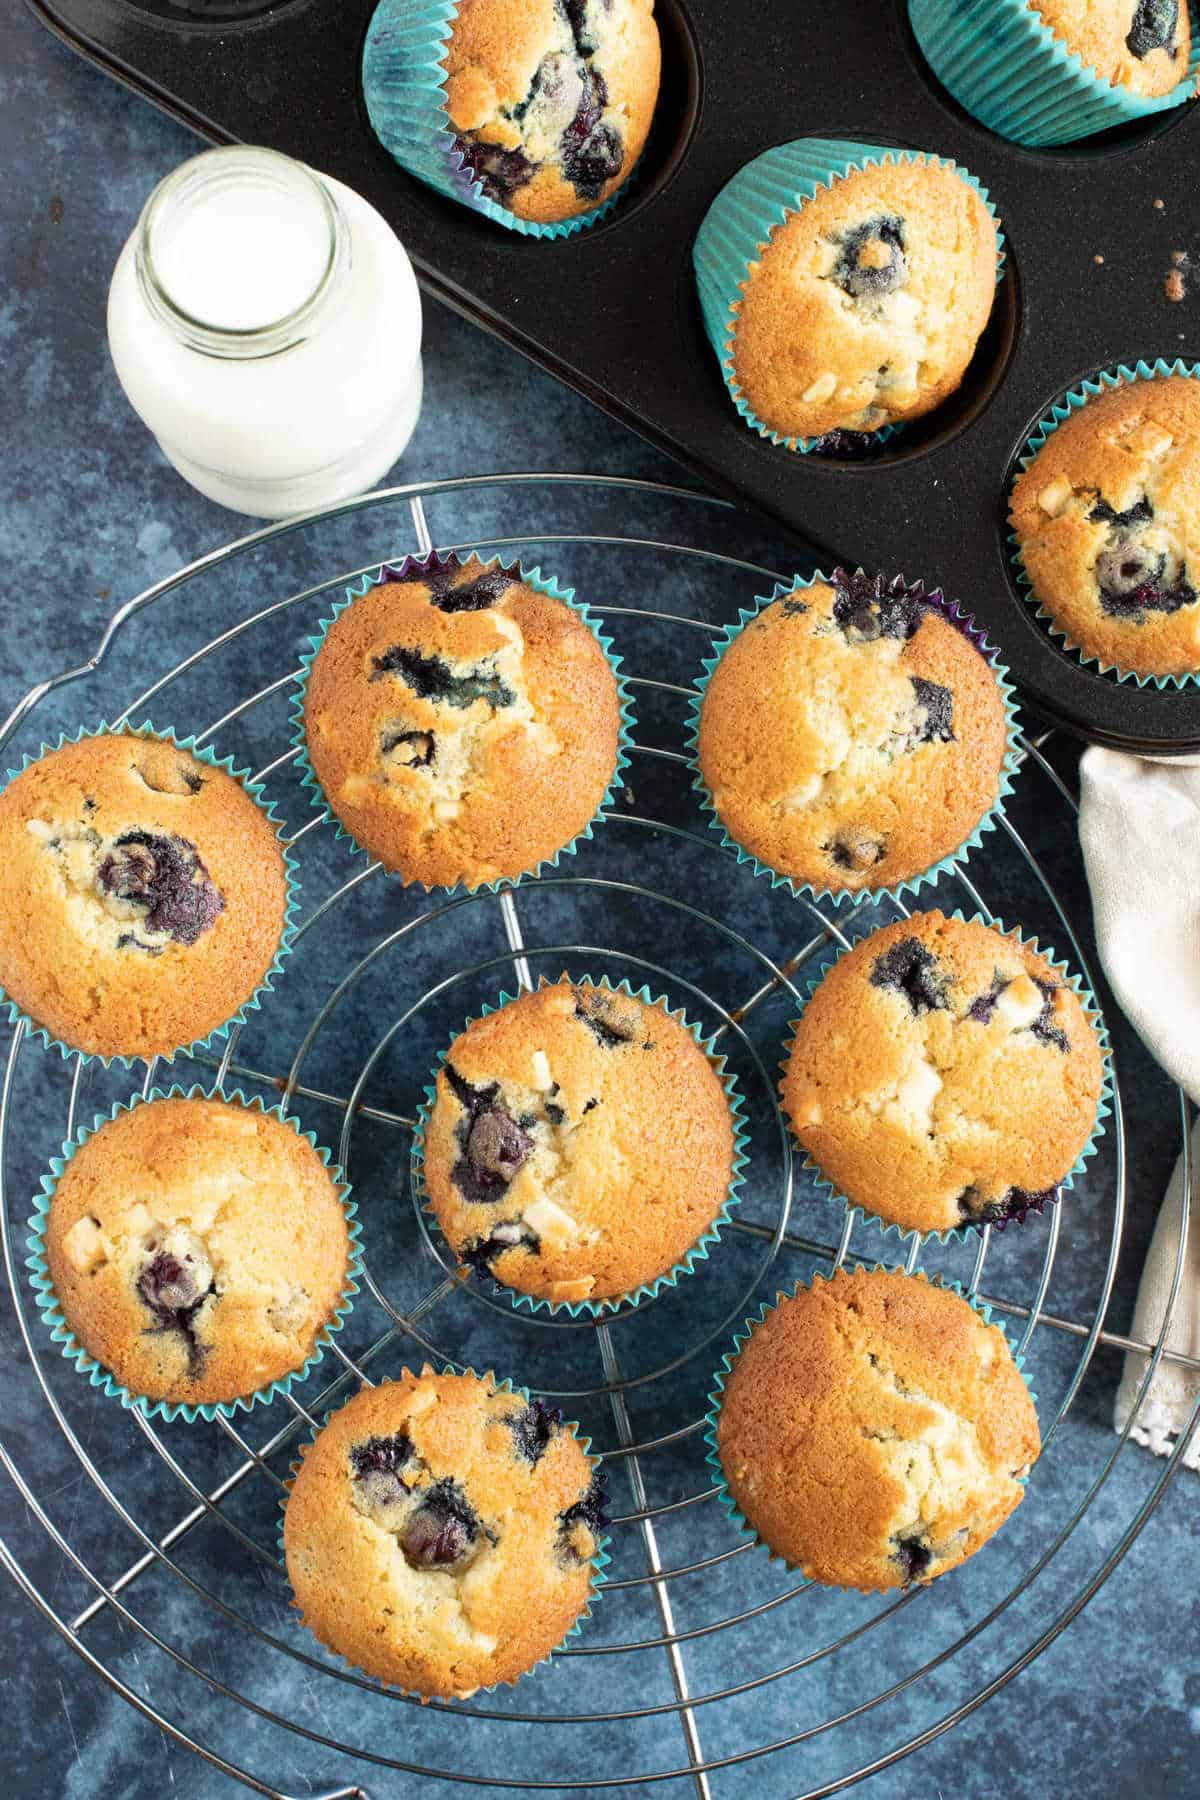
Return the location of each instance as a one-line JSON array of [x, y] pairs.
[[545, 584], [697, 1253], [1006, 67], [16, 1014], [750, 208], [829, 954], [100, 1377], [404, 88], [600, 1562], [957, 616], [721, 1375], [1072, 401]]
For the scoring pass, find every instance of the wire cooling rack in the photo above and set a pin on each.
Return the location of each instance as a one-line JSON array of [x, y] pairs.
[[707, 1668]]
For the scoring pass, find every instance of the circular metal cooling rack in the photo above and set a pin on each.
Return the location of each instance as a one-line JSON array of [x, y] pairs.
[[745, 1680]]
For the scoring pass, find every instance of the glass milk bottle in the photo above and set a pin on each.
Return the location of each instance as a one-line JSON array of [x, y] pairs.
[[265, 324]]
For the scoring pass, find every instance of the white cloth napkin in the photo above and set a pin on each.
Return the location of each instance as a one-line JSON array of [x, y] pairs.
[[1139, 824]]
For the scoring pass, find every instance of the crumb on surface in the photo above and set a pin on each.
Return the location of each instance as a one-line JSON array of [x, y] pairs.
[[1173, 286], [1158, 205], [1097, 259]]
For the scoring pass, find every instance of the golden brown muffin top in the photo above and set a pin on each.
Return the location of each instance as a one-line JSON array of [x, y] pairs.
[[943, 1073], [851, 736], [440, 1533], [1107, 517], [1142, 45], [873, 1430], [864, 307], [197, 1247], [552, 102], [143, 896], [463, 725], [580, 1143]]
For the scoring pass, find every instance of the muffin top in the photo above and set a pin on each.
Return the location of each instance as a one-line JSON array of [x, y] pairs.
[[144, 895], [943, 1073], [873, 1430], [197, 1247], [851, 736], [865, 306], [1107, 516], [580, 1143], [551, 99], [1142, 45], [440, 1533], [462, 724]]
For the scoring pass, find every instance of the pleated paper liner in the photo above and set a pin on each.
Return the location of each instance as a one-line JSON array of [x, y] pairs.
[[1003, 63], [17, 1016], [101, 1377], [750, 208], [1071, 402], [404, 88], [600, 1561], [962, 621], [699, 1252], [545, 584], [721, 1375], [830, 954]]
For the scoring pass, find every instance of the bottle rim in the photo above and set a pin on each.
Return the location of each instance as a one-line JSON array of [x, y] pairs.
[[230, 162]]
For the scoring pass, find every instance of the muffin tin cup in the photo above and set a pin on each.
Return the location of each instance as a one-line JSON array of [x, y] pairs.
[[600, 1562], [962, 621], [831, 954], [17, 1016], [545, 584], [404, 89], [721, 1375], [761, 197], [1006, 67], [98, 1375], [698, 1252], [1062, 409]]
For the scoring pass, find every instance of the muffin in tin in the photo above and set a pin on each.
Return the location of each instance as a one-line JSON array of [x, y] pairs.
[[580, 1143], [1105, 517], [1142, 45], [851, 735], [441, 1532], [197, 1248], [874, 1431], [463, 724], [144, 895], [863, 309], [551, 100], [943, 1073]]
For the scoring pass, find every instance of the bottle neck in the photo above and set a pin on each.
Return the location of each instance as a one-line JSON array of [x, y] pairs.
[[242, 253]]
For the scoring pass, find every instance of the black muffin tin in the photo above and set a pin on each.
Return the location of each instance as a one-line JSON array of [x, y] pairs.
[[612, 310]]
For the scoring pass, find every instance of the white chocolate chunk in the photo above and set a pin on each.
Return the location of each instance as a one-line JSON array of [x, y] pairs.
[[543, 1080], [917, 1092], [1019, 1004], [446, 809], [1151, 440], [822, 388], [84, 1246], [553, 1225], [1054, 496]]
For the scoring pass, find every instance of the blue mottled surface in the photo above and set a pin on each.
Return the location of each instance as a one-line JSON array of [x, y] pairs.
[[91, 514]]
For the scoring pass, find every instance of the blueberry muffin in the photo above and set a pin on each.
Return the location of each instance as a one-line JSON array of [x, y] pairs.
[[197, 1249], [462, 724], [865, 306], [441, 1533], [1142, 45], [943, 1073], [143, 898], [551, 100], [579, 1145], [1106, 518], [851, 736], [874, 1431]]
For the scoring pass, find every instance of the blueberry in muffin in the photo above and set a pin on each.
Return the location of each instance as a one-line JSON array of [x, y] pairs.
[[874, 1431], [1104, 515], [852, 735], [944, 1073], [580, 1143], [144, 898], [441, 1532], [551, 100]]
